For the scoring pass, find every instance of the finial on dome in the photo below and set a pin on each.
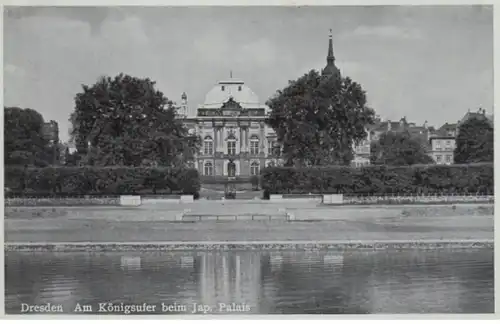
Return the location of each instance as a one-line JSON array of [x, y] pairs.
[[184, 96]]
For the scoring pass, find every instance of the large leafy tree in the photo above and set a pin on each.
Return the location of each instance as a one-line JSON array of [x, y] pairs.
[[474, 141], [24, 142], [398, 148], [318, 119], [125, 121]]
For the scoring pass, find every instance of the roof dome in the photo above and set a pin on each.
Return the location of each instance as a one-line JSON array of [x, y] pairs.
[[235, 89]]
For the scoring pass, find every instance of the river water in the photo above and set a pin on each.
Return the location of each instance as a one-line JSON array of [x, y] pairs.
[[248, 282]]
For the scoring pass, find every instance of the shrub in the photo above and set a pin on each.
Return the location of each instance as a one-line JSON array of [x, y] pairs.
[[77, 181], [380, 180]]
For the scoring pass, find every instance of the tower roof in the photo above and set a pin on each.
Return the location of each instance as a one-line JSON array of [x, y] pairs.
[[330, 68]]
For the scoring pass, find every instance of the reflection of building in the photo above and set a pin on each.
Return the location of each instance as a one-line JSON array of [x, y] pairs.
[[230, 278], [130, 262]]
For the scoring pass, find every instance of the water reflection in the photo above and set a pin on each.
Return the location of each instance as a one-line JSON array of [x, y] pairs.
[[257, 282]]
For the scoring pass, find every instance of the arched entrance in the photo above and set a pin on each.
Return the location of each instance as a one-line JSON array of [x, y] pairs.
[[231, 169]]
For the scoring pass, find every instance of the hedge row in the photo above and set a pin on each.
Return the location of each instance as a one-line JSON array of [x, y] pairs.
[[75, 181], [380, 180]]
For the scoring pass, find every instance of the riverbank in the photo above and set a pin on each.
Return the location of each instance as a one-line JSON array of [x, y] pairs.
[[260, 246], [156, 223]]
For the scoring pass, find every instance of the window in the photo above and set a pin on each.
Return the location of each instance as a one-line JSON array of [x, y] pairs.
[[270, 147], [448, 158], [209, 169], [239, 88], [231, 146], [254, 145], [254, 168], [223, 88], [208, 146], [439, 158], [448, 143], [438, 145]]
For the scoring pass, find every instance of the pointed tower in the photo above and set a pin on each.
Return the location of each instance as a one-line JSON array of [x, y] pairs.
[[330, 69]]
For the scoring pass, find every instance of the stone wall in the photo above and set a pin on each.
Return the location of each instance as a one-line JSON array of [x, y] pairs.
[[355, 200]]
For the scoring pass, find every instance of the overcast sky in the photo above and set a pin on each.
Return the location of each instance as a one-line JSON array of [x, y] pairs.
[[425, 63]]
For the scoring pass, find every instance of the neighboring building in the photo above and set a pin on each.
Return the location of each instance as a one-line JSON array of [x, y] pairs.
[[442, 144], [480, 114], [362, 151], [51, 131], [443, 140], [441, 148]]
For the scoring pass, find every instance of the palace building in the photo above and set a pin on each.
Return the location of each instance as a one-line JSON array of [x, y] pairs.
[[231, 122], [236, 141]]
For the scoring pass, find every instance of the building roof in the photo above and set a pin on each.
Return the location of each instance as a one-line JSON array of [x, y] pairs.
[[232, 88], [480, 114], [441, 133], [383, 126], [330, 68]]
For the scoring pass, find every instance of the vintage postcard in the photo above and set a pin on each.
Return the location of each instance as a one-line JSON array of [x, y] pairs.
[[248, 160]]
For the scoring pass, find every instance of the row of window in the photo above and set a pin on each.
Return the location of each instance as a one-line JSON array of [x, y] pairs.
[[208, 169], [448, 158], [208, 146], [223, 88], [438, 144]]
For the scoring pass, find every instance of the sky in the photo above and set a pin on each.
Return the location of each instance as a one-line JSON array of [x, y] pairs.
[[425, 63]]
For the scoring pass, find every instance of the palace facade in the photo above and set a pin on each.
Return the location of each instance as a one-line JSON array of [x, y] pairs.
[[236, 141]]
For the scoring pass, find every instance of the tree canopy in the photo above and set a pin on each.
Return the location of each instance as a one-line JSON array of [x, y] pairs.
[[398, 148], [474, 141], [24, 142], [318, 119], [125, 121]]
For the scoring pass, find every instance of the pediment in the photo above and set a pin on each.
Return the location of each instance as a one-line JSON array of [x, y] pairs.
[[230, 104]]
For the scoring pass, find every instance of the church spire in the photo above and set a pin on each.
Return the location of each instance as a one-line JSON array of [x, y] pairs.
[[330, 68], [330, 58]]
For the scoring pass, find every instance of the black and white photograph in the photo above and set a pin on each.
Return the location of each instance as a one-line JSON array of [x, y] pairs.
[[200, 161]]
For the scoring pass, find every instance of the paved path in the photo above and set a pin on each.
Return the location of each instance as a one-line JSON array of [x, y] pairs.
[[154, 223]]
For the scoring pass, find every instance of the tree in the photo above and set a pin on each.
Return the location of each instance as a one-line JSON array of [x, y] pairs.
[[398, 148], [24, 142], [126, 121], [317, 119], [474, 141]]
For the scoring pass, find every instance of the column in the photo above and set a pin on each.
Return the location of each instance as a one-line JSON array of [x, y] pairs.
[[262, 137], [246, 139], [226, 280], [237, 288], [241, 139], [221, 139], [216, 139]]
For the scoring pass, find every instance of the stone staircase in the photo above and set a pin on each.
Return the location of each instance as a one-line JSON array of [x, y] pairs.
[[232, 211]]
